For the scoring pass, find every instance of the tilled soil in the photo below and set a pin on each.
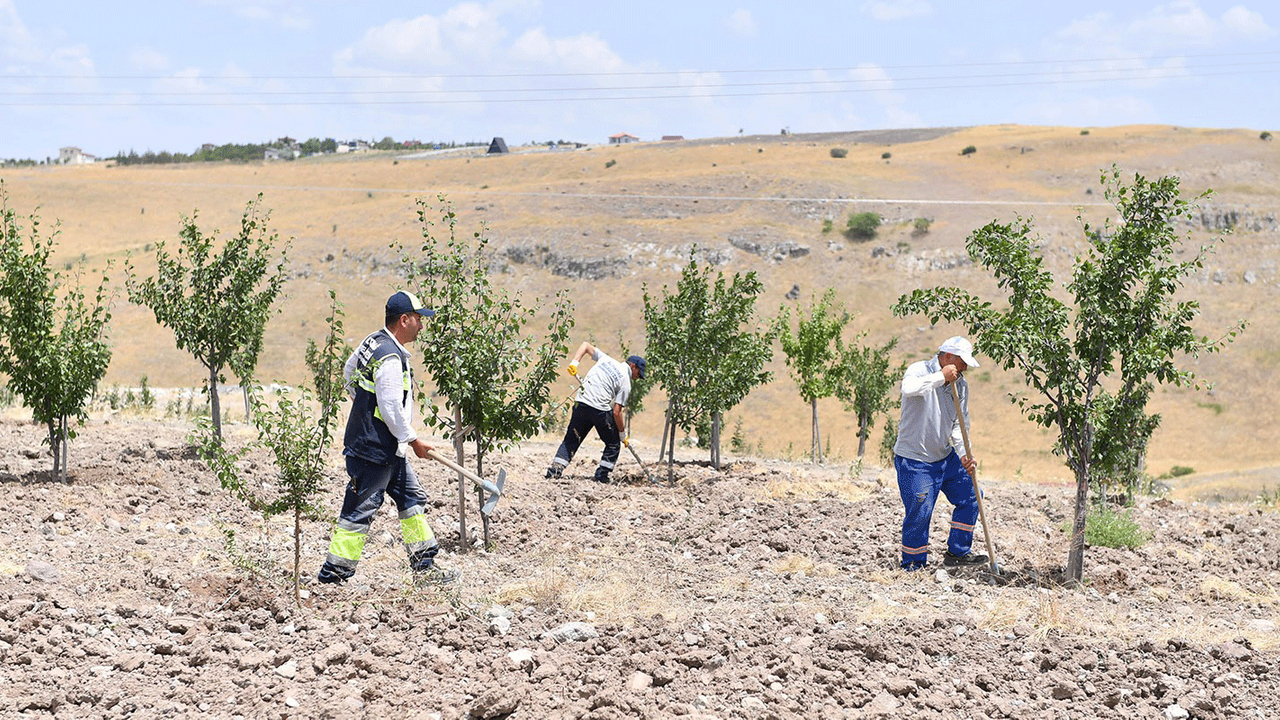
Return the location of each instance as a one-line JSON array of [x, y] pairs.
[[766, 590]]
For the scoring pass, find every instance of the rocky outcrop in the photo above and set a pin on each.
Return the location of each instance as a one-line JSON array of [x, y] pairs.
[[775, 251], [1218, 219], [582, 268]]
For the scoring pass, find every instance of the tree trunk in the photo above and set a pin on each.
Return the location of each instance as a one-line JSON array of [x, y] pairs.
[[666, 425], [715, 440], [484, 519], [1075, 553], [862, 437], [671, 455], [245, 390], [215, 406], [815, 450], [460, 451], [297, 555], [64, 442]]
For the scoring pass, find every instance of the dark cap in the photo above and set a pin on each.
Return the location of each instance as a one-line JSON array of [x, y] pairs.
[[639, 363], [405, 302]]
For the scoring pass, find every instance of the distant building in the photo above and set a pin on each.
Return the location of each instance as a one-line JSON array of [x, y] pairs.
[[498, 146], [622, 138], [281, 154], [672, 137], [75, 156], [352, 146]]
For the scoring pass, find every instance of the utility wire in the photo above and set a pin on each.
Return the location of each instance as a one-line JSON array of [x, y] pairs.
[[385, 76], [1101, 75], [353, 98]]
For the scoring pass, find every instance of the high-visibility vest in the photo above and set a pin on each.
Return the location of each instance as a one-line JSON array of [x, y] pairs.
[[368, 436]]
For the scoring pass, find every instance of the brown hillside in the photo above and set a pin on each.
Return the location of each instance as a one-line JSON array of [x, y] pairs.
[[571, 220]]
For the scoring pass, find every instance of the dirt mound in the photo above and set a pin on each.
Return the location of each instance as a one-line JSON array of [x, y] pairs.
[[767, 590]]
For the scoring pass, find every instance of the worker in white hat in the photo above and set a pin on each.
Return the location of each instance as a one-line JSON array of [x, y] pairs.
[[930, 458]]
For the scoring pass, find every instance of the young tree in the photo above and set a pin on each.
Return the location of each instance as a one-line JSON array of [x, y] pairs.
[[53, 345], [704, 349], [217, 304], [865, 383], [298, 430], [1093, 363], [476, 348], [815, 354]]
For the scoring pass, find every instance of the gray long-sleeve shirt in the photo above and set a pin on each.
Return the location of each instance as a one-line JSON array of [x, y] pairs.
[[928, 430]]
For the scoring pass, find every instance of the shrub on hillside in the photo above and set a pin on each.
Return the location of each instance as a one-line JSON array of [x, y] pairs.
[[886, 155], [969, 150], [863, 225], [839, 152], [1266, 135], [921, 226]]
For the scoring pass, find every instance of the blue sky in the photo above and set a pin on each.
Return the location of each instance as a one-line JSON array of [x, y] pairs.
[[125, 75]]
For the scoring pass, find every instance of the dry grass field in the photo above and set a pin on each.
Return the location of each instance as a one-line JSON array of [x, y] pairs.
[[638, 209]]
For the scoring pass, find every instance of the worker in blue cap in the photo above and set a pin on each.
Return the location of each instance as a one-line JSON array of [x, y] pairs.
[[600, 400]]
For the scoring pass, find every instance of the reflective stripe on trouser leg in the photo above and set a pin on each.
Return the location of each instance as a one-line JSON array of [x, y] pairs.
[[918, 487], [363, 496], [957, 485], [345, 547], [419, 541]]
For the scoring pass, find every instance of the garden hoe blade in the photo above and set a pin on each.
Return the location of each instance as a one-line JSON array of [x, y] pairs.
[[494, 493], [494, 490]]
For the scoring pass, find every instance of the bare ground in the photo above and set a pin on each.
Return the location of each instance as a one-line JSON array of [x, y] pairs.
[[767, 590]]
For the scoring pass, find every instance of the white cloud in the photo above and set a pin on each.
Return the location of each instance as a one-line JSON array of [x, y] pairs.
[[1173, 27], [17, 45], [147, 60], [1245, 23], [467, 33], [287, 14], [582, 53], [890, 10], [742, 23]]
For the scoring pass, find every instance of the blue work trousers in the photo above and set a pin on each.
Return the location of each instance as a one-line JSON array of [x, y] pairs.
[[919, 483]]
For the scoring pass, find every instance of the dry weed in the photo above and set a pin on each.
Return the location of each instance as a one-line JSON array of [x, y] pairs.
[[612, 587], [803, 565], [792, 488]]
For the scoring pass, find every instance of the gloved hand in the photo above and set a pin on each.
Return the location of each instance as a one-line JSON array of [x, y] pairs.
[[573, 368], [626, 441]]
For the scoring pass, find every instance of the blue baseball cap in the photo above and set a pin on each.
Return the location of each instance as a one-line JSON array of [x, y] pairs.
[[403, 302], [639, 363]]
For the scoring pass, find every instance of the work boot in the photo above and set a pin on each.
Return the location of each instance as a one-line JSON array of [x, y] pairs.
[[434, 575], [969, 558], [329, 576], [554, 472], [601, 477]]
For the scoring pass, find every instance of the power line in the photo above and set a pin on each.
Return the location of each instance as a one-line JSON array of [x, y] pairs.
[[386, 76], [1101, 75], [702, 92]]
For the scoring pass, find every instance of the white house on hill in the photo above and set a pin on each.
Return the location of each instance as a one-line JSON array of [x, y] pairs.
[[74, 156], [621, 138]]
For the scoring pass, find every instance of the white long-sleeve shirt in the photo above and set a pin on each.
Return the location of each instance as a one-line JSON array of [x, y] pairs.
[[927, 430]]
